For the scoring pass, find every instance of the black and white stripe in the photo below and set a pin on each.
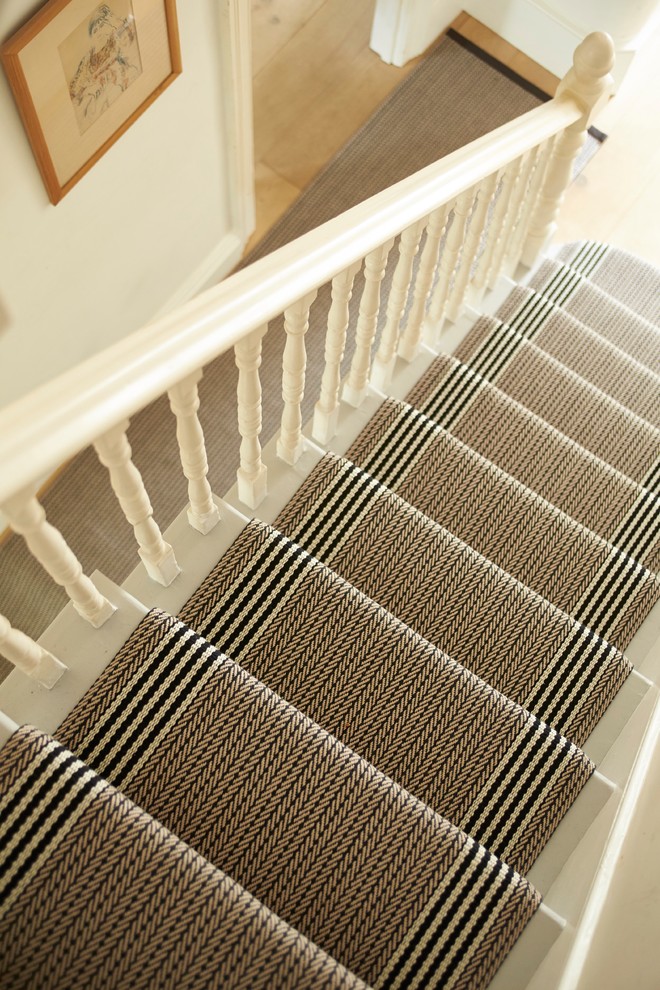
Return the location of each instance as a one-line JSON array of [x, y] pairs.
[[614, 585], [175, 670], [436, 949], [588, 258], [37, 811]]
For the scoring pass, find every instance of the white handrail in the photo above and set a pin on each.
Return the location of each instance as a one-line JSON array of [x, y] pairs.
[[54, 422]]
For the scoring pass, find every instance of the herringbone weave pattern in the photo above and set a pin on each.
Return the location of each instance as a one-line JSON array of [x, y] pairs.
[[95, 893], [631, 280], [479, 615], [312, 830], [583, 350], [399, 702], [574, 291], [566, 401], [524, 445], [514, 527]]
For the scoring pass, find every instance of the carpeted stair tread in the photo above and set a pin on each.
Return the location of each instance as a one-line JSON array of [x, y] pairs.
[[312, 830], [469, 608], [598, 310], [94, 892], [625, 277], [550, 463], [583, 350], [562, 398], [422, 719], [506, 522]]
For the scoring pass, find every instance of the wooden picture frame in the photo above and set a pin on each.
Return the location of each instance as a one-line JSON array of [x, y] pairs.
[[82, 71]]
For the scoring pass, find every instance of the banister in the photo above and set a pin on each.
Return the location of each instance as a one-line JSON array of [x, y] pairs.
[[43, 429]]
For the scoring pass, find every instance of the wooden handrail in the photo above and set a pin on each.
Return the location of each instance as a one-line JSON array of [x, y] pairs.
[[60, 418]]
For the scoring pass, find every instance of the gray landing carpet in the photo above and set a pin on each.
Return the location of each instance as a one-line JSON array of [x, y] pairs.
[[451, 98], [94, 893], [391, 890]]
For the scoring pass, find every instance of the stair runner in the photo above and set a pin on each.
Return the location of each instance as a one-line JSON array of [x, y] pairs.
[[424, 720], [95, 893], [426, 635], [387, 887]]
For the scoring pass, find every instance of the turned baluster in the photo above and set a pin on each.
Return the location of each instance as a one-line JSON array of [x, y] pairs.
[[541, 158], [251, 476], [486, 274], [28, 517], [383, 366], [589, 83], [28, 657], [473, 239], [448, 264], [355, 387], [503, 184], [326, 410], [114, 452], [412, 335], [296, 323], [513, 207], [203, 513]]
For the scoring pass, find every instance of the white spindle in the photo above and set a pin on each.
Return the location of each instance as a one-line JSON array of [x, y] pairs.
[[203, 513], [589, 82], [355, 387], [541, 157], [448, 264], [326, 411], [473, 239], [115, 453], [412, 335], [383, 366], [497, 243], [296, 323], [511, 218], [503, 184], [28, 657], [27, 517], [252, 476]]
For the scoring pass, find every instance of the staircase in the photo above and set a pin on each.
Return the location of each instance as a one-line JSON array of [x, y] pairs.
[[377, 708]]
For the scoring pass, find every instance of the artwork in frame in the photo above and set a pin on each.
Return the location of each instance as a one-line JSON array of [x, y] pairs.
[[82, 72]]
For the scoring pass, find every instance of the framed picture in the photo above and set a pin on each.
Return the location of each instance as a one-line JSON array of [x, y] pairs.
[[82, 72]]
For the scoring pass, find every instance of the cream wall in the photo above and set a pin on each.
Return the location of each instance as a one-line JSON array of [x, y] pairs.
[[164, 212]]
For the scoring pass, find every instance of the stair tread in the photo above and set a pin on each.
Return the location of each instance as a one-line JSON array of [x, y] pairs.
[[107, 861], [549, 389], [597, 309], [542, 458], [312, 830], [363, 675], [625, 277], [586, 352], [506, 522], [472, 610]]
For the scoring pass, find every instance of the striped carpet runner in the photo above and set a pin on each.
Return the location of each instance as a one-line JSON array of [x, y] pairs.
[[553, 465], [95, 893], [514, 527], [423, 719], [376, 879], [522, 645], [369, 714], [630, 280]]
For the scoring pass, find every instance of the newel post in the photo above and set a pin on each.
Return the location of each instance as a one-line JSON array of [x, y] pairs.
[[589, 83]]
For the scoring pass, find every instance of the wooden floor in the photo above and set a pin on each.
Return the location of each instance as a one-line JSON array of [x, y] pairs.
[[314, 54]]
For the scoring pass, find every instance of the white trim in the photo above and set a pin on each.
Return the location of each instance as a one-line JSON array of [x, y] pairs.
[[402, 29], [224, 257], [236, 54]]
